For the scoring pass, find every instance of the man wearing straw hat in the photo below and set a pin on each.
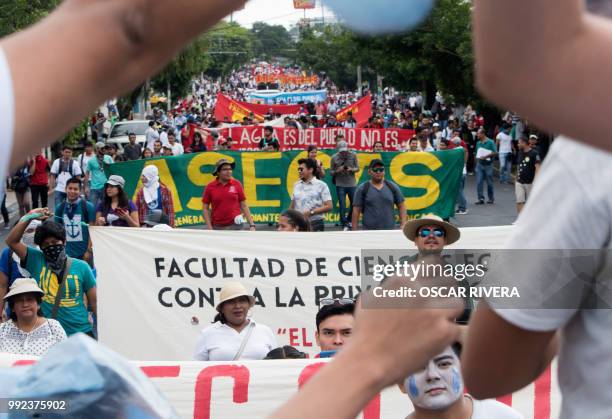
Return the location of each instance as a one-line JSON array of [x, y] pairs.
[[233, 335], [431, 233]]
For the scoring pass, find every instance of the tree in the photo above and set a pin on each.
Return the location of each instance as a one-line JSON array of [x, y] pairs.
[[18, 14], [229, 46], [189, 63], [272, 41], [331, 51]]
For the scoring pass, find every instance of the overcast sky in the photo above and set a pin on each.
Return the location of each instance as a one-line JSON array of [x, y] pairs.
[[276, 12]]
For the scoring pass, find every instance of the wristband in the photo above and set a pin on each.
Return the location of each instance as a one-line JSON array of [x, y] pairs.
[[29, 217]]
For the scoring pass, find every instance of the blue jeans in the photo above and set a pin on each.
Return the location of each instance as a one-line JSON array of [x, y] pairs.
[[484, 172], [96, 196], [505, 166], [461, 201], [342, 192], [59, 197]]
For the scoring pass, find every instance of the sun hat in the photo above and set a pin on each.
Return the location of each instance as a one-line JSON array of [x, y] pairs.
[[233, 290], [412, 227], [23, 286], [220, 163]]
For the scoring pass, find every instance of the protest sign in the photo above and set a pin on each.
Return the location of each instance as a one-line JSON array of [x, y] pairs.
[[428, 181], [167, 290], [255, 389]]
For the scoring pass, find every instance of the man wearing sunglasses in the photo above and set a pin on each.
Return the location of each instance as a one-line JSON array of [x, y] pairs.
[[334, 323], [377, 199], [431, 233]]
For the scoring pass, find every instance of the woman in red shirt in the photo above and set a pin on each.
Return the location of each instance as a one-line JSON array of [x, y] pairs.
[[39, 180]]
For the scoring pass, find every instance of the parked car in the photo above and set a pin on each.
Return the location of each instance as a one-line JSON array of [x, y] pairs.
[[119, 133]]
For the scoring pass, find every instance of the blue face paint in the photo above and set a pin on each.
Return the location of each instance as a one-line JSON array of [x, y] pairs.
[[456, 381], [381, 16], [412, 387]]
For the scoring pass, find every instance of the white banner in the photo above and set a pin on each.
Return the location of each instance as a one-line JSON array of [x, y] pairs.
[[254, 389], [157, 289]]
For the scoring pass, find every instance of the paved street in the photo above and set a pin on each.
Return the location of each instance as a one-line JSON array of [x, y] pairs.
[[503, 212]]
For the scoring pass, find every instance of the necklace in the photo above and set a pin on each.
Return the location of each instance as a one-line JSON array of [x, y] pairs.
[[34, 327]]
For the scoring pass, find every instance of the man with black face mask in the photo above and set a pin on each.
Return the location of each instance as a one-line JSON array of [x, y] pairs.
[[65, 281]]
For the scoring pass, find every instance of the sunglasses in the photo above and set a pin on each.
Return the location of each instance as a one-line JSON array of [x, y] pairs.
[[426, 232], [378, 170], [336, 301]]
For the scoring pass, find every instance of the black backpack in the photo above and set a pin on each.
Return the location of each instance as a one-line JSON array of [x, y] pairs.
[[63, 168]]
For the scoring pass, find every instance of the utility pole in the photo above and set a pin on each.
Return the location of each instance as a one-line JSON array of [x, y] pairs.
[[323, 14], [359, 79]]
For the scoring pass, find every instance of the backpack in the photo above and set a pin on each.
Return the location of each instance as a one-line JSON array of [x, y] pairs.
[[21, 180], [84, 211], [366, 189], [69, 169]]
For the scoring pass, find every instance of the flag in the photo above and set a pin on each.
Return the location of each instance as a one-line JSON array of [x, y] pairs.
[[228, 110], [362, 111]]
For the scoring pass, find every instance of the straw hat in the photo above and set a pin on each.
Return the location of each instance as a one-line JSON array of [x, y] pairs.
[[23, 286], [233, 290], [412, 227]]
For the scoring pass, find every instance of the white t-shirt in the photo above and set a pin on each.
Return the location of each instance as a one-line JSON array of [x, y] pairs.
[[489, 409], [151, 136], [83, 159], [7, 116], [177, 149], [505, 143], [578, 177], [219, 342], [65, 175]]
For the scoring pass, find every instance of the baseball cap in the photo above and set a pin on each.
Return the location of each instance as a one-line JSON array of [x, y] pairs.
[[342, 146], [100, 144], [533, 136], [116, 180], [376, 162]]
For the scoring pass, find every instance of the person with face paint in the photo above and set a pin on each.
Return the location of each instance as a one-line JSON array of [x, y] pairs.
[[153, 197], [234, 335], [10, 266], [28, 332], [437, 391], [65, 281], [292, 220]]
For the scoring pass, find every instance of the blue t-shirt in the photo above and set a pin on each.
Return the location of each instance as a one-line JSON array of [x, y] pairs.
[[5, 263], [77, 234], [72, 313]]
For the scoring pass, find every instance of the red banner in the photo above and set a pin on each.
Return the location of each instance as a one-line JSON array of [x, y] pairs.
[[362, 111], [304, 4], [228, 110], [359, 139], [264, 109], [286, 79]]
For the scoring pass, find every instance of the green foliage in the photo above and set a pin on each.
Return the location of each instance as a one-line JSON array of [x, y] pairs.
[[77, 134], [190, 62], [438, 54], [229, 46], [332, 51], [272, 41], [18, 14]]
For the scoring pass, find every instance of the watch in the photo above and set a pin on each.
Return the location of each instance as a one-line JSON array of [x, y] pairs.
[[312, 212]]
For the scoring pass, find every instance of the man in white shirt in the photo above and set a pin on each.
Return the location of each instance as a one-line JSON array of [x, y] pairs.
[[151, 135], [177, 148], [310, 195], [437, 391], [570, 208], [63, 169], [136, 45], [505, 147]]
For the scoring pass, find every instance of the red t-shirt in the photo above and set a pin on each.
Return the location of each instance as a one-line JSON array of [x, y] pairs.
[[225, 201], [40, 177]]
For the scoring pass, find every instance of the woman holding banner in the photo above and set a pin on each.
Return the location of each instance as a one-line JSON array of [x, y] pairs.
[[233, 335]]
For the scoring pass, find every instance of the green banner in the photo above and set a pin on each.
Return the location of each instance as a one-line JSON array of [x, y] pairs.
[[429, 181]]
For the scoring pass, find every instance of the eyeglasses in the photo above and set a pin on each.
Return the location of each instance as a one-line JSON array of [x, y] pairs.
[[426, 232], [378, 170], [336, 301]]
